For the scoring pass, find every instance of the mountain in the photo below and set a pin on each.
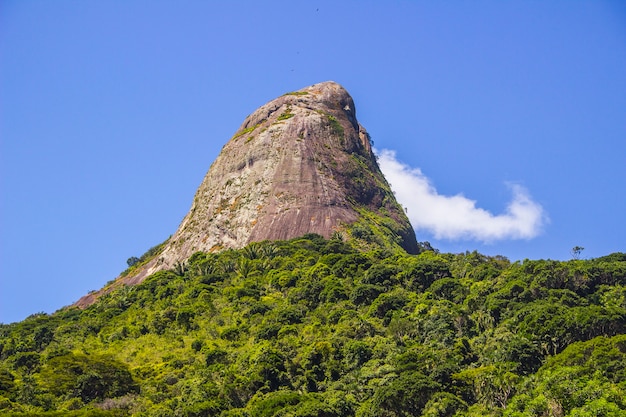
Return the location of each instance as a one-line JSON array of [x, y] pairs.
[[299, 164], [292, 288]]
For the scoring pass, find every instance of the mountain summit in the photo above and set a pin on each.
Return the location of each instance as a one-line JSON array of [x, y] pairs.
[[299, 164]]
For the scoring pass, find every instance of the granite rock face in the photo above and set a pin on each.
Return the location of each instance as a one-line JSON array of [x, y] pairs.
[[299, 164]]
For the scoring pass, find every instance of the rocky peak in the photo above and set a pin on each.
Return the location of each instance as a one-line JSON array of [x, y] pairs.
[[299, 164]]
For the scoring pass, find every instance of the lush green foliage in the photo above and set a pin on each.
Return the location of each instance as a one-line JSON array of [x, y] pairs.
[[315, 327]]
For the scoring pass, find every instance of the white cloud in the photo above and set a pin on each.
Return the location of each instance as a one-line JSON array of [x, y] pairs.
[[457, 217]]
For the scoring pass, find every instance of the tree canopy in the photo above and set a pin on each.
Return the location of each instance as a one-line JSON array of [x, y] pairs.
[[316, 327]]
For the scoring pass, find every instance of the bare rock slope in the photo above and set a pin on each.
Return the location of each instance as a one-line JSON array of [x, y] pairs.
[[299, 164]]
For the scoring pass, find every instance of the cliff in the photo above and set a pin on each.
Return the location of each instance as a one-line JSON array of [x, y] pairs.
[[299, 164]]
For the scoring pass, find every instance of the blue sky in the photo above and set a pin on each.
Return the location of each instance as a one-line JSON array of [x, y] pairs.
[[509, 117]]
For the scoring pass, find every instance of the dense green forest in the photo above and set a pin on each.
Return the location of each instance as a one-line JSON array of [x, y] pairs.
[[315, 327]]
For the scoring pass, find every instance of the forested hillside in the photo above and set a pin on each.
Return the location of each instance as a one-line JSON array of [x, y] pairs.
[[315, 327]]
